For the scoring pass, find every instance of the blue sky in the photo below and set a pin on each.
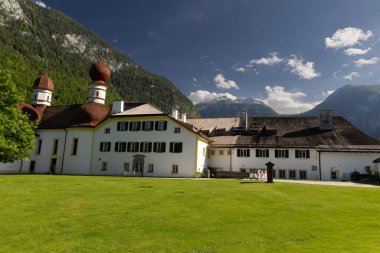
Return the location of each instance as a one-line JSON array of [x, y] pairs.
[[288, 53]]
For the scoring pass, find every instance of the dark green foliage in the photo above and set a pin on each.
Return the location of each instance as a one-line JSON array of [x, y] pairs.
[[231, 108], [16, 131], [28, 46]]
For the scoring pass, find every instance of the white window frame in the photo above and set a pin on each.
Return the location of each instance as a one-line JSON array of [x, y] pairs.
[[120, 146], [292, 174], [150, 168], [122, 126], [105, 146], [104, 166], [177, 130], [175, 169]]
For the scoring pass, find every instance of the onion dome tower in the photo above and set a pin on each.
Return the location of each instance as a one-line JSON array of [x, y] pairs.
[[43, 88], [100, 73]]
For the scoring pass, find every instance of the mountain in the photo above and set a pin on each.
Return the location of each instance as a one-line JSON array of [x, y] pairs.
[[358, 104], [33, 37], [227, 108]]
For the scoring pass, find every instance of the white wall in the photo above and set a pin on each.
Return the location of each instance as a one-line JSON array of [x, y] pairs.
[[10, 167], [162, 161], [345, 163], [202, 155]]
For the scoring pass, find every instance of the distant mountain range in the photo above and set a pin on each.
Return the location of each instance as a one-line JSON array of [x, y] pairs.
[[225, 107], [360, 104], [35, 39]]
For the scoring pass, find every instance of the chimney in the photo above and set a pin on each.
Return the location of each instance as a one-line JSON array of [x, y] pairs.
[[183, 117], [325, 120], [244, 119], [175, 114], [117, 107]]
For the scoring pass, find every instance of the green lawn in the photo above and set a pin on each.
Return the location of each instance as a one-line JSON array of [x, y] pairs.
[[41, 213]]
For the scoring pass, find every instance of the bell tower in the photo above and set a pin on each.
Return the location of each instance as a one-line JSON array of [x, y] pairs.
[[43, 88], [100, 73]]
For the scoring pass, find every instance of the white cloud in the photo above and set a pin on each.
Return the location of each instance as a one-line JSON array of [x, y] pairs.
[[286, 102], [40, 3], [356, 51], [347, 37], [206, 96], [362, 62], [272, 60], [223, 83], [351, 76], [241, 69], [327, 93], [303, 70], [195, 80]]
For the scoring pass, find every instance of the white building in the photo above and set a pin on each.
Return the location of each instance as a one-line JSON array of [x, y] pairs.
[[137, 139]]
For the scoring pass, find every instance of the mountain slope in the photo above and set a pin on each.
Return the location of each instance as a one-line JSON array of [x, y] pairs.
[[228, 108], [358, 104], [32, 37]]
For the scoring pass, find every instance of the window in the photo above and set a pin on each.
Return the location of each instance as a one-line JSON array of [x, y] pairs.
[[292, 174], [175, 169], [151, 168], [74, 150], [55, 147], [274, 173], [159, 147], [221, 152], [281, 153], [334, 175], [97, 93], [39, 147], [145, 147], [243, 152], [126, 167], [134, 126], [161, 125], [243, 170], [120, 146], [133, 147], [122, 126], [107, 130], [105, 146], [104, 166], [281, 174], [303, 174], [314, 168], [262, 152], [176, 147], [302, 153], [177, 130], [147, 125]]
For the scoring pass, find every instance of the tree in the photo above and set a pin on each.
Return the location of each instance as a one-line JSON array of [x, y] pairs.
[[16, 130]]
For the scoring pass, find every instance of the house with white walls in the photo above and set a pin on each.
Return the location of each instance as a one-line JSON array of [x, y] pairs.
[[137, 139]]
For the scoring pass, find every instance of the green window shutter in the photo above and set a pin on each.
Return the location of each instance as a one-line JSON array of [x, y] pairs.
[[156, 126], [267, 153], [238, 153], [150, 147], [129, 147], [141, 146], [101, 146], [130, 126], [171, 146], [164, 147], [143, 125], [307, 153], [179, 147], [276, 153], [287, 153], [155, 147], [257, 153], [297, 153], [138, 126], [248, 153], [165, 125]]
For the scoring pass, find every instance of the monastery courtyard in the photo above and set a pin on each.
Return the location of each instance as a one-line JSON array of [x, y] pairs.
[[45, 213]]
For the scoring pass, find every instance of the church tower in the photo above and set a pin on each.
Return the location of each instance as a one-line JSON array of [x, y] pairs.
[[42, 91], [100, 73]]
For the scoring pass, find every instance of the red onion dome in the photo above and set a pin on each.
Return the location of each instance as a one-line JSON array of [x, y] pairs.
[[100, 72], [44, 82]]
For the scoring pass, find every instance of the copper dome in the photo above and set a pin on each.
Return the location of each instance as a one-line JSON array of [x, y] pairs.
[[100, 72], [44, 82]]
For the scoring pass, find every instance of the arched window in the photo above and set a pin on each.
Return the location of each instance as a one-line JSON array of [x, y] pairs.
[[35, 96], [97, 93]]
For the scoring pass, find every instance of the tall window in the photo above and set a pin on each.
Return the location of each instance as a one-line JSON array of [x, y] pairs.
[[175, 169], [39, 147], [74, 150], [147, 125], [133, 147], [105, 146], [151, 168], [120, 146], [161, 125], [281, 153], [177, 130], [134, 126], [292, 174], [303, 174], [55, 147], [302, 153], [104, 166], [122, 126], [145, 147], [159, 147], [262, 152], [126, 167], [243, 152], [281, 174], [176, 147]]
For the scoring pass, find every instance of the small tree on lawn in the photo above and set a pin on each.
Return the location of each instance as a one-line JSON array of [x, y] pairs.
[[16, 130]]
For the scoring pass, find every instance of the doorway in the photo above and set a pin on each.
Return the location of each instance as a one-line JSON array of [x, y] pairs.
[[53, 165], [138, 166], [32, 167]]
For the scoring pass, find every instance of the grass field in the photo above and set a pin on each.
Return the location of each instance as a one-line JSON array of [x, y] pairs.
[[113, 214]]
